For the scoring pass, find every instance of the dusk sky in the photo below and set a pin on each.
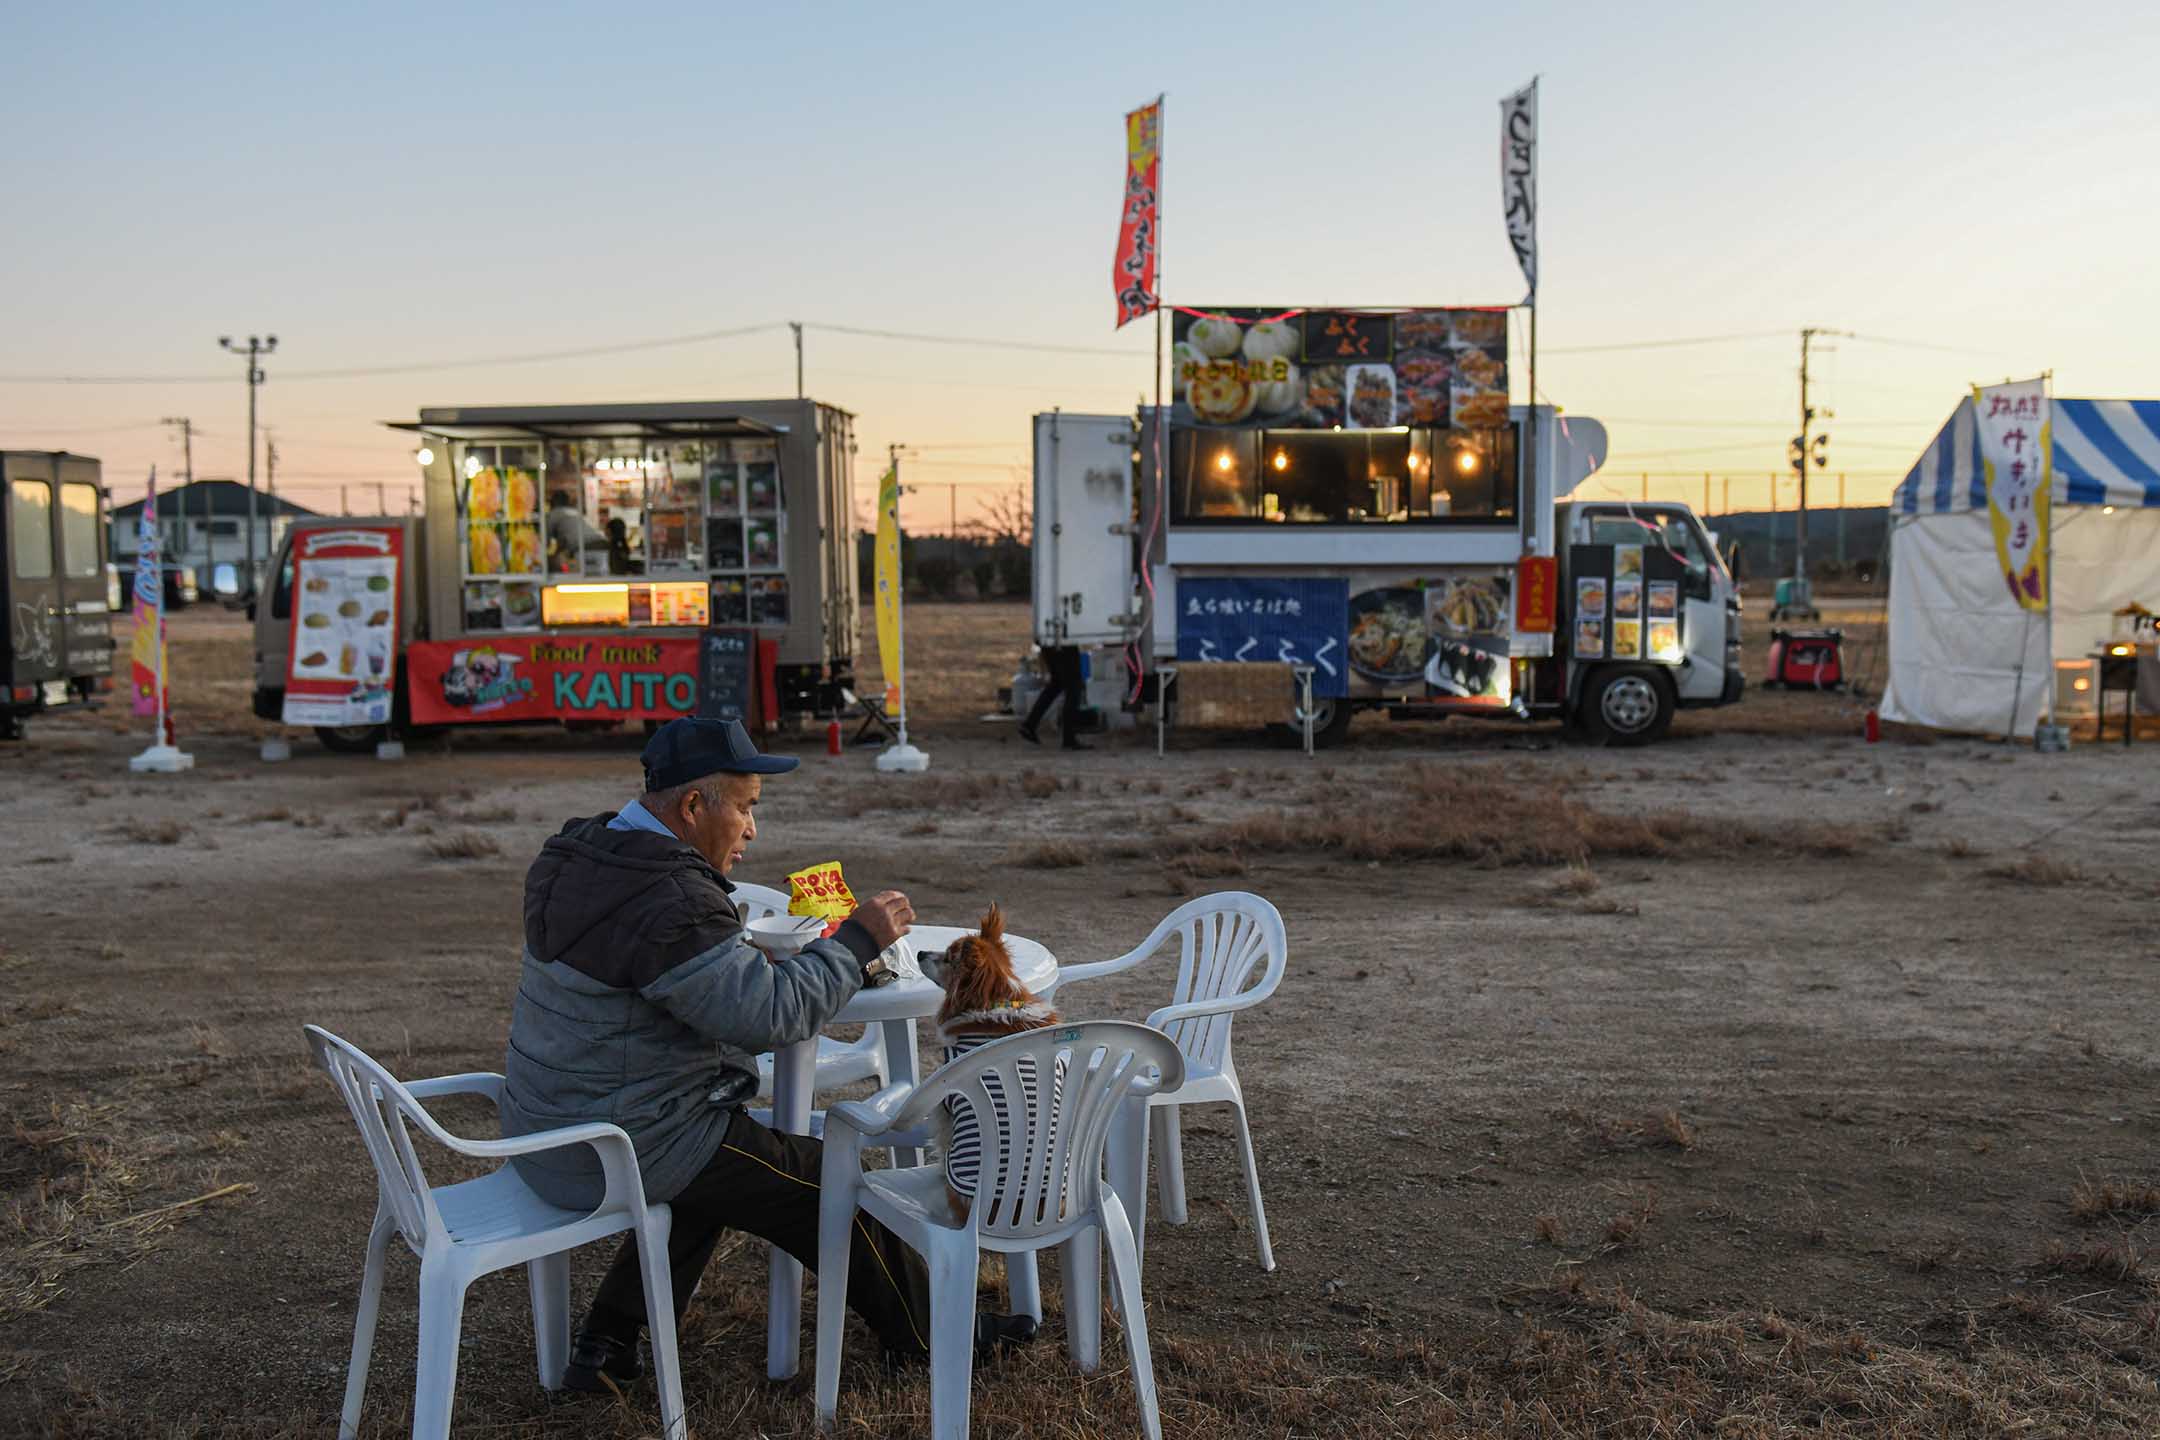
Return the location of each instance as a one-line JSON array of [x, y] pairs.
[[412, 185]]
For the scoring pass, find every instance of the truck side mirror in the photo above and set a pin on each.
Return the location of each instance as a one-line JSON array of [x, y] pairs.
[[225, 582]]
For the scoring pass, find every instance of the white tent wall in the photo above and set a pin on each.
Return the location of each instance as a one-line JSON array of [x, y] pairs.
[[1957, 636], [2103, 562]]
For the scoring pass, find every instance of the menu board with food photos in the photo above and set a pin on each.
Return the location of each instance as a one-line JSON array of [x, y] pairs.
[[341, 668], [498, 499], [1625, 603], [1254, 368]]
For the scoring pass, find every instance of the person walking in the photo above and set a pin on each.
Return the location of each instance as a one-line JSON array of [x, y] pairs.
[[1063, 663]]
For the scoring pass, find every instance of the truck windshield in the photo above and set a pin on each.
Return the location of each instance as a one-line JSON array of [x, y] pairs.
[[1676, 530], [1341, 477]]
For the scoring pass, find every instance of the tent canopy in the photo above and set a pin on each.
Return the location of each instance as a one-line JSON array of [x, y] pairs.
[[2106, 452]]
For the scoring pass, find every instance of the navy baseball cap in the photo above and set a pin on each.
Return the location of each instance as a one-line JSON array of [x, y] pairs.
[[685, 750]]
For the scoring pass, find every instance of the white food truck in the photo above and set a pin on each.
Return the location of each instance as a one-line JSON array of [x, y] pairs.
[[1349, 493]]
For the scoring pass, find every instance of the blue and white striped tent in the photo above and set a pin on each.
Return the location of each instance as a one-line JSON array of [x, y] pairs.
[[2107, 452], [1963, 654]]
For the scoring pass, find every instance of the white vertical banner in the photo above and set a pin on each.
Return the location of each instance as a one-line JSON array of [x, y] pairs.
[[2016, 449], [1518, 178]]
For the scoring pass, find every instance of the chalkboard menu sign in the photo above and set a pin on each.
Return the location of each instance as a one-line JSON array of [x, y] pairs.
[[1338, 335], [726, 688]]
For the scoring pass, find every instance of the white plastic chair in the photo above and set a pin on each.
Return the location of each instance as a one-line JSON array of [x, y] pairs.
[[464, 1231], [1041, 1184], [839, 1062], [1221, 939]]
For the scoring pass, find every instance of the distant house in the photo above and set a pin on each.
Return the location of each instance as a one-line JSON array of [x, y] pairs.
[[205, 524]]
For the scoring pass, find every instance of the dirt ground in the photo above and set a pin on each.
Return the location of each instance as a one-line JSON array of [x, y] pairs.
[[1762, 1082]]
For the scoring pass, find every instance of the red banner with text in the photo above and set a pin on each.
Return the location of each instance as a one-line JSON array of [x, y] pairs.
[[1139, 233], [551, 677]]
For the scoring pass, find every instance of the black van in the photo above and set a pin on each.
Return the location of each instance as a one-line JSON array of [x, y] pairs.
[[56, 650]]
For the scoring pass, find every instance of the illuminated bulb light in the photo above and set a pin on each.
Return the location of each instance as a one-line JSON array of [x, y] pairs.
[[424, 455], [1466, 461], [2081, 683], [472, 466], [2107, 509], [1223, 460], [1282, 461]]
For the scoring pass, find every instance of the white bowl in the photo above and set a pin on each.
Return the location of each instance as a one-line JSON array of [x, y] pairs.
[[784, 934]]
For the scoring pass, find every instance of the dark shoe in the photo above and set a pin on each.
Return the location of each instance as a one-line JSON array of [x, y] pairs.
[[997, 1334], [1075, 745], [1027, 733], [594, 1356]]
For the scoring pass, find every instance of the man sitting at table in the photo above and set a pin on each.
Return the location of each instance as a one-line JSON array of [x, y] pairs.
[[643, 1004]]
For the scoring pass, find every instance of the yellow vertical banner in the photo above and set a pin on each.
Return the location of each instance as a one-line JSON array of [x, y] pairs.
[[888, 581], [2018, 452]]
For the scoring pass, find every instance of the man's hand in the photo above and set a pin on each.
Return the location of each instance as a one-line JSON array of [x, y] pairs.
[[886, 916]]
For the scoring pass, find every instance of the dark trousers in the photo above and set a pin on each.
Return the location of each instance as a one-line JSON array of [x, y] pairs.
[[766, 1183], [1064, 665]]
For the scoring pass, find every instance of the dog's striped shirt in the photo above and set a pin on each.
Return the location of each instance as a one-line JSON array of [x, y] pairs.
[[963, 1155]]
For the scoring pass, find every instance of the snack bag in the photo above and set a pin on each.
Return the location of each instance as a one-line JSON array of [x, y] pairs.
[[821, 891]]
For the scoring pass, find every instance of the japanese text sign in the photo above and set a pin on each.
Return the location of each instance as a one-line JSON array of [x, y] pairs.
[[1537, 594], [1267, 622], [2016, 448]]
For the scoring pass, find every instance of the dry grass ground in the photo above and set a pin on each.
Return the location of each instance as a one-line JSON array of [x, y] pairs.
[[1756, 1085]]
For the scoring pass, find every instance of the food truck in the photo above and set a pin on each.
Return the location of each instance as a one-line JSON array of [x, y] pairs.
[[581, 564], [58, 647], [1350, 493]]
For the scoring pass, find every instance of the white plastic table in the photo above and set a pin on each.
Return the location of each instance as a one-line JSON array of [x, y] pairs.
[[896, 1007]]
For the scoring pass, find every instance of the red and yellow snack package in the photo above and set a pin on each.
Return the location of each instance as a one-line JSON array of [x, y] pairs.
[[820, 890]]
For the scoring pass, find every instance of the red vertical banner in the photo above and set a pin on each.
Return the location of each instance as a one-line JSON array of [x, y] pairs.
[[1139, 233], [1537, 594]]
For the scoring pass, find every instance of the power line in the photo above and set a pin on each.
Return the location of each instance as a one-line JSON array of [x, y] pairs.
[[542, 357], [1924, 345], [1664, 344], [975, 342]]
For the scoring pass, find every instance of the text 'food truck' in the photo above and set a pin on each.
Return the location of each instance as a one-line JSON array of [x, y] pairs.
[[1350, 493], [587, 565]]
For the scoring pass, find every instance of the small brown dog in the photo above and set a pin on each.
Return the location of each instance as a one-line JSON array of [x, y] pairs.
[[984, 1001]]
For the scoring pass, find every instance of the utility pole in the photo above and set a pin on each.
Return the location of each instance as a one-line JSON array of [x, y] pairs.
[[270, 463], [342, 507], [187, 448], [257, 347], [382, 505], [796, 326], [1798, 454]]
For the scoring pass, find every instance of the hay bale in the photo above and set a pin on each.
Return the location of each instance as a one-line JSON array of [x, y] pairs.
[[1234, 696]]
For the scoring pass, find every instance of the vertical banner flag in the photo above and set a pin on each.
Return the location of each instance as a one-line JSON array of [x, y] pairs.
[[887, 552], [1133, 277], [1518, 177], [2018, 452], [146, 657]]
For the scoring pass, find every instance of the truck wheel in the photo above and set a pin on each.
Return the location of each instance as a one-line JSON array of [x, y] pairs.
[[1331, 721], [1626, 705], [352, 739]]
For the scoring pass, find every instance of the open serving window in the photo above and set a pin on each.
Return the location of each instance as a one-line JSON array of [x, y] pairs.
[[618, 523], [1342, 477]]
